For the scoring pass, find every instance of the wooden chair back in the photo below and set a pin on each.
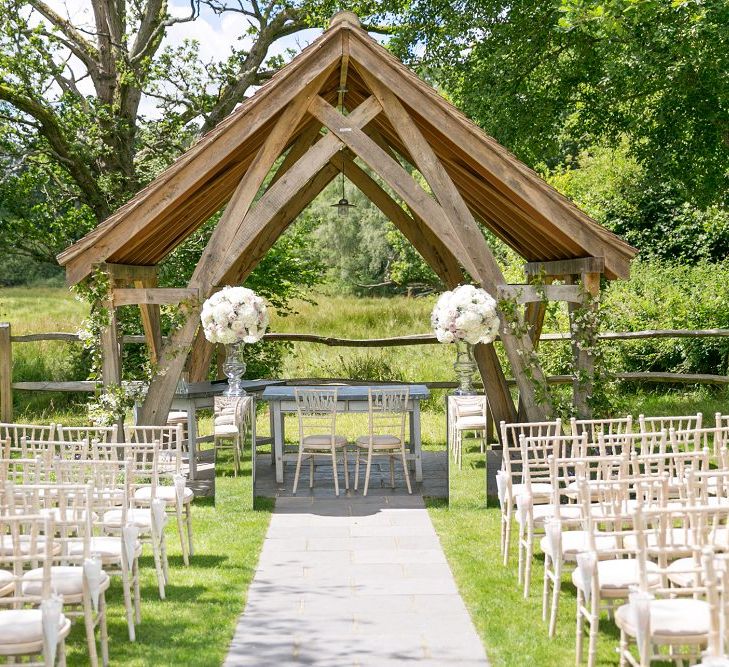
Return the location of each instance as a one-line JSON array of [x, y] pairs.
[[679, 423], [100, 433], [387, 411], [15, 432], [316, 410]]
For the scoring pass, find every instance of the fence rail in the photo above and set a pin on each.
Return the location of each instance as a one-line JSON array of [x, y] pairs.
[[7, 339], [396, 341]]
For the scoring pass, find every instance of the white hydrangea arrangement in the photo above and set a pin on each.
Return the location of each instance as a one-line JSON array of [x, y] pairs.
[[467, 314], [234, 314]]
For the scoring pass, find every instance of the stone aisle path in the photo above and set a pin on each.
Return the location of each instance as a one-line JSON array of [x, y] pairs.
[[354, 582]]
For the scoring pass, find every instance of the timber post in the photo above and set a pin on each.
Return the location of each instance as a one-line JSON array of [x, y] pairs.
[[583, 356], [6, 373]]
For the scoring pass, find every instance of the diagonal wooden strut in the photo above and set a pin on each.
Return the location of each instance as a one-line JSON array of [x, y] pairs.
[[448, 270], [477, 259], [234, 239]]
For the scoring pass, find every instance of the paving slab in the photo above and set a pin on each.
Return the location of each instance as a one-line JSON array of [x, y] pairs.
[[354, 582]]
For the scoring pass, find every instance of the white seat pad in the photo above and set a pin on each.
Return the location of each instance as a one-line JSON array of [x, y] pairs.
[[6, 545], [679, 542], [25, 626], [109, 548], [679, 574], [65, 580], [226, 429], [475, 422], [543, 512], [164, 492], [539, 490], [619, 574], [141, 517], [575, 541], [6, 582], [378, 441], [677, 617], [176, 414], [323, 441]]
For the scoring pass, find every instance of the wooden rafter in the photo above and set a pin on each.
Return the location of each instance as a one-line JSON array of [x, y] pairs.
[[225, 247]]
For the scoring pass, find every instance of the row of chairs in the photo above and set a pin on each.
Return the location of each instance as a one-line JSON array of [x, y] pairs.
[[634, 512], [104, 500]]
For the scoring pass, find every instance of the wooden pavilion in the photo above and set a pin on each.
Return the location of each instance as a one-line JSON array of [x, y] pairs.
[[391, 118]]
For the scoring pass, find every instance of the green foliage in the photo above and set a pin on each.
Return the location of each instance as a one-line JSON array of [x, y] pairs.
[[550, 78], [365, 366], [613, 188], [365, 253], [665, 296]]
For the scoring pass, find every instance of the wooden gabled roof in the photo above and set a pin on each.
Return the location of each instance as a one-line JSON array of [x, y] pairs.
[[501, 192]]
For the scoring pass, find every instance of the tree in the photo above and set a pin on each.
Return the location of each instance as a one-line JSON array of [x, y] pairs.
[[74, 144], [551, 78]]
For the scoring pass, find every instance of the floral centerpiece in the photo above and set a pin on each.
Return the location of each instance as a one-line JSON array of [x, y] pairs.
[[466, 316], [234, 316]]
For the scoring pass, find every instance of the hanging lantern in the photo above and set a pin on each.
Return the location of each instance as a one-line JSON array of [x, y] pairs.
[[343, 204]]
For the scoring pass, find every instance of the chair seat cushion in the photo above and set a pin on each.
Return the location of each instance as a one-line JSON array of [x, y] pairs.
[[226, 430], [6, 545], [378, 441], [619, 574], [680, 574], [541, 513], [225, 419], [676, 617], [540, 490], [678, 542], [25, 626], [107, 548], [324, 441], [575, 541], [139, 516], [471, 422], [176, 415], [65, 580], [164, 492], [6, 582]]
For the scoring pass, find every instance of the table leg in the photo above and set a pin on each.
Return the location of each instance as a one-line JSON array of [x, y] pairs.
[[278, 439], [415, 429], [272, 431], [253, 444], [192, 439]]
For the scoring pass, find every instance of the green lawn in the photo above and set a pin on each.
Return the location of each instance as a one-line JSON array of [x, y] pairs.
[[195, 623]]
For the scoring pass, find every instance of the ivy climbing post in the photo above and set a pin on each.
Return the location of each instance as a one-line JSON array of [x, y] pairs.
[[584, 327]]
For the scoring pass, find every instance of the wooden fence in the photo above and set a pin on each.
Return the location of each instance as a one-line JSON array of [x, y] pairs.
[[7, 340]]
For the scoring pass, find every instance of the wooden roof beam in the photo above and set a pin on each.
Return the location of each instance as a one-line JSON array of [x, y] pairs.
[[566, 267]]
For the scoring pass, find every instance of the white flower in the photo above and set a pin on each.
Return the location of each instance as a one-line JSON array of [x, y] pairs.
[[234, 314], [468, 314]]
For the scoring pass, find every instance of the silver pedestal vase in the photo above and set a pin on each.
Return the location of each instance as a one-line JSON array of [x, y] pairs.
[[234, 369], [465, 367]]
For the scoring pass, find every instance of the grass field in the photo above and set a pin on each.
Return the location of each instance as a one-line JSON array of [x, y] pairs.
[[194, 625]]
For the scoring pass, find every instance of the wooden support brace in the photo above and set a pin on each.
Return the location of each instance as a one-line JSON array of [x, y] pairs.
[[583, 358], [6, 373], [152, 295], [566, 267], [463, 237], [531, 293]]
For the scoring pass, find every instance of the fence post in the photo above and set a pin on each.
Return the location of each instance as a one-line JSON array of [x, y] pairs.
[[6, 373]]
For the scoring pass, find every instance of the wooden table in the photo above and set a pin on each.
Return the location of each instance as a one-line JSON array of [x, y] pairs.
[[200, 395], [349, 399]]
